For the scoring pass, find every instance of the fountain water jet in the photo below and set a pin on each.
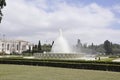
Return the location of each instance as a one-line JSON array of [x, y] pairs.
[[60, 45]]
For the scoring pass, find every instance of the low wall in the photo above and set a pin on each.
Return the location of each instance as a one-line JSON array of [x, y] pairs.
[[56, 56]]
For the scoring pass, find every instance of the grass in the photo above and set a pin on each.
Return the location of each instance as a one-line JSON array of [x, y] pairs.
[[21, 72], [108, 59]]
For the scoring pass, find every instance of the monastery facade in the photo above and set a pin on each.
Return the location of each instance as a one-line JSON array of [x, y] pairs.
[[14, 46]]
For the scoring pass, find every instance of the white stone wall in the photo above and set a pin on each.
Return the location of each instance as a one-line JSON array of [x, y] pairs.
[[14, 46]]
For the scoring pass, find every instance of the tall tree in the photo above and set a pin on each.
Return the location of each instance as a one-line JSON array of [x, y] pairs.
[[79, 44], [29, 49], [108, 47], [39, 47], [2, 4], [35, 49]]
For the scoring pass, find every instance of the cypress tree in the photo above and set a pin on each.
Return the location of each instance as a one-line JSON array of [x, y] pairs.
[[39, 47]]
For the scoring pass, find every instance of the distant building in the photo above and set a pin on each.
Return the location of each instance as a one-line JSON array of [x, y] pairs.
[[14, 46]]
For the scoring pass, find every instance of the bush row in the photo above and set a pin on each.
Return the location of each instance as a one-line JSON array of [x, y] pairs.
[[60, 60], [63, 64]]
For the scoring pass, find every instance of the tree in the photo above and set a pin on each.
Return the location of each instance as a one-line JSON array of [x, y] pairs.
[[108, 47], [39, 47], [29, 50], [79, 44], [35, 49], [2, 4], [46, 47]]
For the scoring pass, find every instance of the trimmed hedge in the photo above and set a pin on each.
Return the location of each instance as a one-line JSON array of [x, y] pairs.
[[60, 60], [93, 65]]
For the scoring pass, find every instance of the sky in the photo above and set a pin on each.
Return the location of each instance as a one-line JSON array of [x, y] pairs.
[[91, 21]]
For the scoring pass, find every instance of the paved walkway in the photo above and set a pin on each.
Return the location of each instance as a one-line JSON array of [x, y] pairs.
[[116, 60]]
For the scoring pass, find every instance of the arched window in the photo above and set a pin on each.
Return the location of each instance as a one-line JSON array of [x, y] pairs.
[[2, 44]]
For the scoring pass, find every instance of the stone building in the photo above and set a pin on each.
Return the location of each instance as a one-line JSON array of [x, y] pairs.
[[14, 46]]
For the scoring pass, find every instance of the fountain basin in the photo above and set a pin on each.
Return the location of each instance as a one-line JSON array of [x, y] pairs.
[[57, 55]]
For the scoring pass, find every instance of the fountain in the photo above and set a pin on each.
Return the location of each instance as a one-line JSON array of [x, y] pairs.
[[60, 45], [62, 50]]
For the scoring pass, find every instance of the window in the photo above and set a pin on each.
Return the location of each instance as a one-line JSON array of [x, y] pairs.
[[2, 44]]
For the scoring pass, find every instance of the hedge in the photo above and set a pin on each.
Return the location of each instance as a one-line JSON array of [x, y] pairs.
[[59, 60], [92, 65]]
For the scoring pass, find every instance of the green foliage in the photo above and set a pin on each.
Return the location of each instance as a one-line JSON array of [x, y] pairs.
[[28, 52], [116, 51], [46, 47], [2, 4], [97, 48], [108, 47], [35, 49], [77, 64], [39, 47], [110, 59]]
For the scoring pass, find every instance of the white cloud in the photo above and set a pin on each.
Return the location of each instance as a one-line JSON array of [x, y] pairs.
[[31, 21], [116, 8]]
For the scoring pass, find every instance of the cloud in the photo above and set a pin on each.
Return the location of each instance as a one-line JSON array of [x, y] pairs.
[[35, 20], [116, 8]]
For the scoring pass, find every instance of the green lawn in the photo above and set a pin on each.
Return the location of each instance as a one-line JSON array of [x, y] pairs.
[[108, 59], [20, 72]]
